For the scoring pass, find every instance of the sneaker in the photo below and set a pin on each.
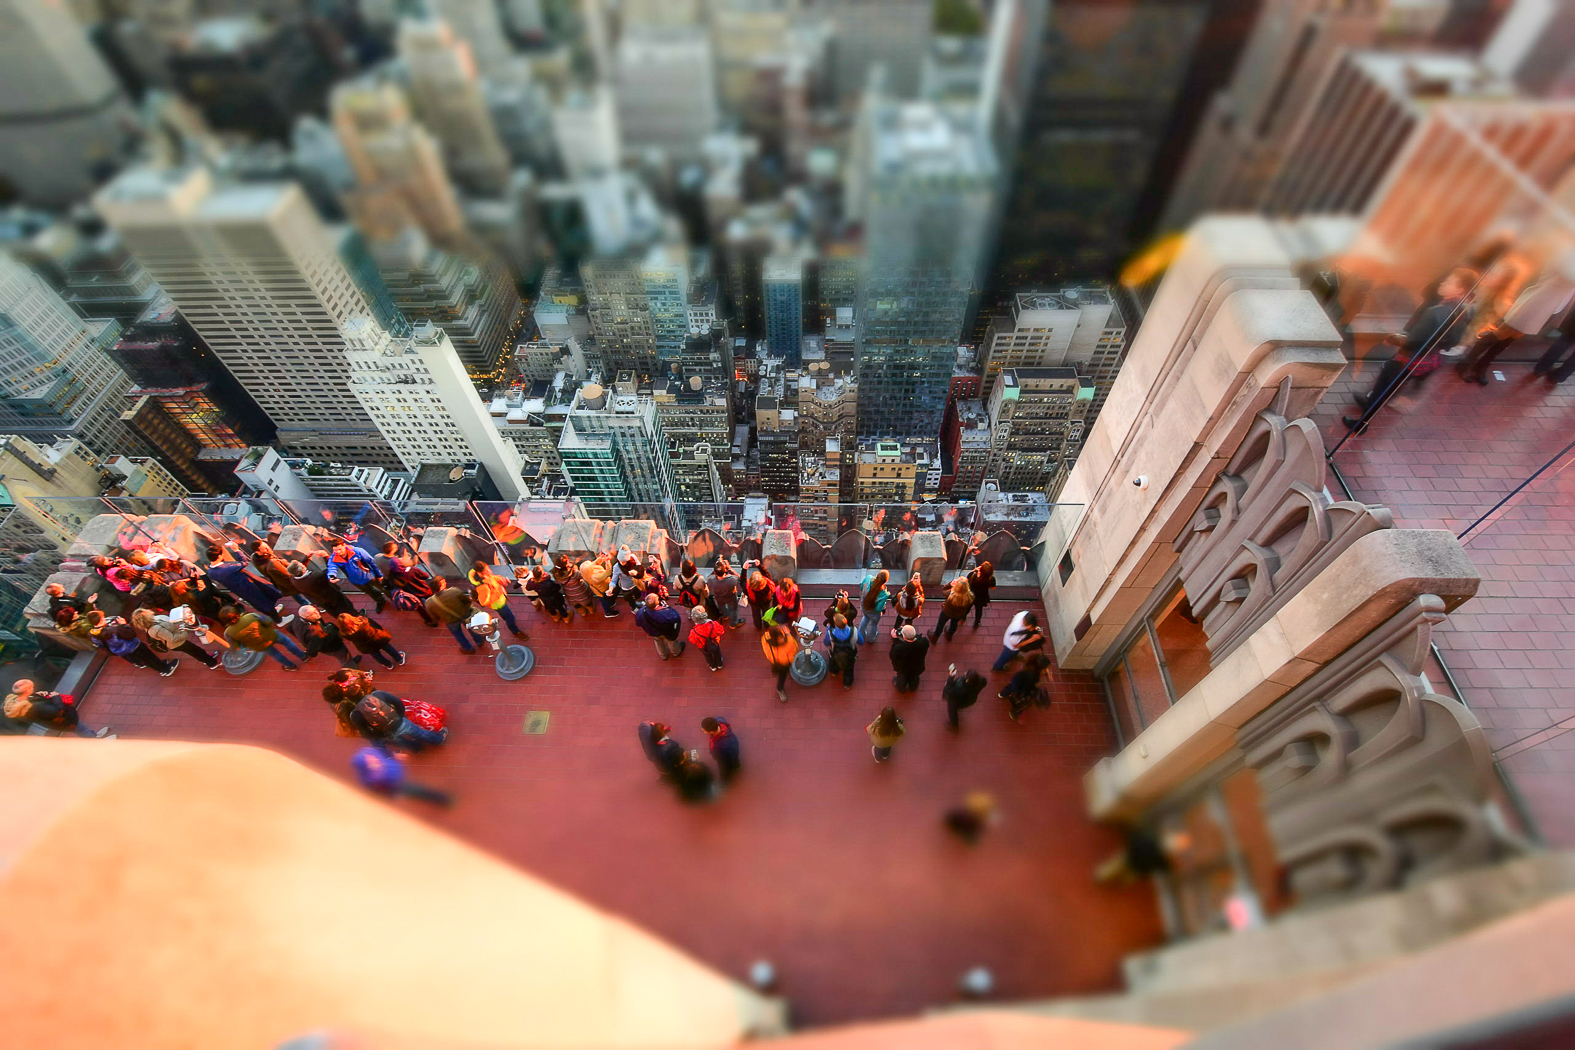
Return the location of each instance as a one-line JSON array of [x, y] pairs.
[[878, 756], [104, 734], [216, 665], [716, 668], [401, 659], [443, 734], [168, 671], [782, 695], [609, 616]]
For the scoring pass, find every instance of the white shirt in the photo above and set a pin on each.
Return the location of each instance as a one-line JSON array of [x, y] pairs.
[[1017, 630]]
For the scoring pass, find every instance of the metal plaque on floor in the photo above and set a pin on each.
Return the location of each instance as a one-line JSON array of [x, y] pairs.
[[536, 722]]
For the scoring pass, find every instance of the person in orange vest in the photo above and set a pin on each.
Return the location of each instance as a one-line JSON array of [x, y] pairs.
[[492, 593], [780, 646]]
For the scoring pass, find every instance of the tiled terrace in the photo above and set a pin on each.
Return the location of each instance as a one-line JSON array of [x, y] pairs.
[[833, 867], [1441, 455]]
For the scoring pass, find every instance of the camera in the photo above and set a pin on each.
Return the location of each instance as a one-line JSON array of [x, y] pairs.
[[1141, 481]]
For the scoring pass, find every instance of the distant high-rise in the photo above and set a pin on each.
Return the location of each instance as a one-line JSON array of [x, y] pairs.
[[782, 299], [893, 35], [1037, 417], [925, 197], [473, 300], [620, 313], [665, 272], [615, 456], [57, 379], [1241, 141], [1081, 328], [416, 391], [665, 83], [62, 115], [260, 279], [450, 102], [1107, 83], [397, 163]]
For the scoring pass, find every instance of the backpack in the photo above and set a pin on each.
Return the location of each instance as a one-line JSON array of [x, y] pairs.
[[377, 713]]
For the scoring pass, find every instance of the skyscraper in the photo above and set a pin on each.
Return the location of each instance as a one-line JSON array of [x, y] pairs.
[[397, 163], [472, 299], [61, 113], [259, 277], [1081, 328], [1107, 82], [925, 198], [615, 455], [620, 313], [891, 34], [1037, 416], [1242, 139], [449, 99], [416, 391], [57, 379], [666, 89], [665, 272], [782, 297]]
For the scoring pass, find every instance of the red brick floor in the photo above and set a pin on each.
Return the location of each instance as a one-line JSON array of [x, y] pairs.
[[1441, 455], [835, 868]]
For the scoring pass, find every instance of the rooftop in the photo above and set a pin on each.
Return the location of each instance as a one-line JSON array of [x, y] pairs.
[[834, 868], [1071, 298]]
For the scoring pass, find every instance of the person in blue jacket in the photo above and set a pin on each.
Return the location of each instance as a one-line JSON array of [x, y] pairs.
[[351, 563], [240, 581]]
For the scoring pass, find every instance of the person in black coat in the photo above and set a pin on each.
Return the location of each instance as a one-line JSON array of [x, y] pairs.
[[1023, 689], [1430, 330], [664, 752], [316, 588], [320, 634], [960, 691], [908, 649]]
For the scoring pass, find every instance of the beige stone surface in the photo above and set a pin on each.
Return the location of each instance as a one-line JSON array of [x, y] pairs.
[[225, 896], [1373, 579]]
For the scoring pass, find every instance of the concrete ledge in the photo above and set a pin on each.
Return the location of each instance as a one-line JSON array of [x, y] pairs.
[[1373, 579]]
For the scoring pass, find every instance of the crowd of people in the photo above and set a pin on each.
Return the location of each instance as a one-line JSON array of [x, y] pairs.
[[848, 625], [293, 611]]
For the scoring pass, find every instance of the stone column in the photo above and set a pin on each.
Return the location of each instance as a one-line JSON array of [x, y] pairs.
[[779, 554], [927, 557]]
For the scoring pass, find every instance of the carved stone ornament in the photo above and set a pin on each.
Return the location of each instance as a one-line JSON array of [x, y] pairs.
[[1265, 528], [1369, 779]]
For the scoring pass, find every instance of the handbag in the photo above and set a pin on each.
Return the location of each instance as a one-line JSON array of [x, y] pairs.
[[425, 715]]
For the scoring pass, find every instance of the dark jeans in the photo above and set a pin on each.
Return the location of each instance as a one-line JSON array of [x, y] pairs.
[[420, 791], [461, 636], [1005, 658], [415, 738], [386, 655], [194, 650], [949, 624], [842, 662], [881, 753], [142, 656], [758, 612], [727, 765], [1383, 389], [713, 654], [951, 713], [609, 604], [375, 590], [1547, 364], [782, 675], [978, 610], [508, 617], [1486, 349], [907, 682]]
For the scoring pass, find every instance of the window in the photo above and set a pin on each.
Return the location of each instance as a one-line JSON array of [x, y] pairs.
[[1168, 657]]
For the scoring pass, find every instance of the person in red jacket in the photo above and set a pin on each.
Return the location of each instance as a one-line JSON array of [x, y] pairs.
[[706, 635], [762, 595], [26, 703], [790, 603]]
